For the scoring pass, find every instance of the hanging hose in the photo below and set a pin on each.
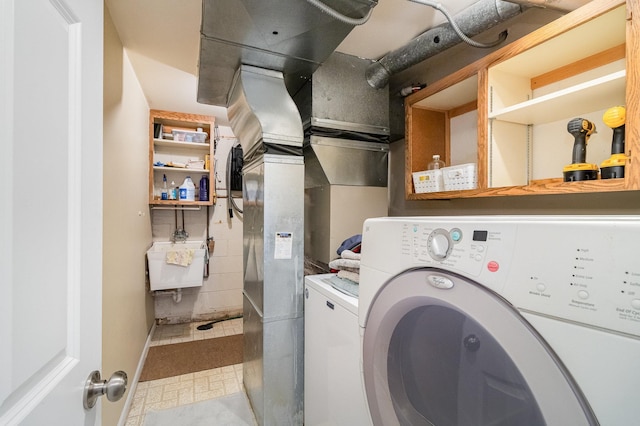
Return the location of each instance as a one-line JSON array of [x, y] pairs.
[[502, 37], [232, 204], [339, 16]]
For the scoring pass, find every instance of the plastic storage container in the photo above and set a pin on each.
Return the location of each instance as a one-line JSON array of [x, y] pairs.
[[189, 136], [464, 176], [163, 275], [430, 180]]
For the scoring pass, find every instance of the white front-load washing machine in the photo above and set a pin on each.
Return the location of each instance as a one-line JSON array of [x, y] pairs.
[[501, 320]]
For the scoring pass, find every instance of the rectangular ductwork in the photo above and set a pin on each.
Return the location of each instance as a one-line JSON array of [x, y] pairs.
[[261, 111], [331, 161], [346, 125], [289, 36]]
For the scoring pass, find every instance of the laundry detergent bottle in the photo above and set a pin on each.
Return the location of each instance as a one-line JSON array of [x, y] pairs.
[[203, 194], [187, 190]]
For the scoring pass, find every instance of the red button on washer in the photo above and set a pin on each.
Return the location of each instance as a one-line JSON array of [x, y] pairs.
[[493, 266]]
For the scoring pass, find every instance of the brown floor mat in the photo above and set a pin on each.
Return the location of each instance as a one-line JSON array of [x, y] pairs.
[[189, 357]]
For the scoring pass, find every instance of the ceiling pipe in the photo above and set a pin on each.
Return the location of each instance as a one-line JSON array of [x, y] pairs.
[[560, 5], [341, 17], [472, 21]]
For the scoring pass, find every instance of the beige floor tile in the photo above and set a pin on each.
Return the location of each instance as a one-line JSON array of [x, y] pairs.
[[186, 396], [161, 405], [154, 395], [216, 384], [202, 396], [169, 395], [231, 386]]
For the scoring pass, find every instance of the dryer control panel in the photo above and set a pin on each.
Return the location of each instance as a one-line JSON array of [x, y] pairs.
[[579, 268]]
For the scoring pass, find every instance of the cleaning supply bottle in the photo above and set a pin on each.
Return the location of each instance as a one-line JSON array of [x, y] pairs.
[[204, 188], [164, 195], [436, 163], [187, 190], [436, 174], [173, 192]]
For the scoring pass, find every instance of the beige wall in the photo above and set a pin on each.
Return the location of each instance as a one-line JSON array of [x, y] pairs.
[[127, 308], [600, 203], [334, 213]]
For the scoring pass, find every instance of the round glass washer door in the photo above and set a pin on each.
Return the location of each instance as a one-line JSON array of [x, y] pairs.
[[439, 349]]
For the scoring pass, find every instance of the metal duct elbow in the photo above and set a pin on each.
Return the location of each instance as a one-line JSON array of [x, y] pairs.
[[472, 21]]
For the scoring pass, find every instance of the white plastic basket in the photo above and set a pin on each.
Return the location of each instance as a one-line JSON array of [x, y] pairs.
[[428, 181], [464, 176]]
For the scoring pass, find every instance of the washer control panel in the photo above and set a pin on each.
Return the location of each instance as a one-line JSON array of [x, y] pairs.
[[580, 268], [461, 248], [439, 244]]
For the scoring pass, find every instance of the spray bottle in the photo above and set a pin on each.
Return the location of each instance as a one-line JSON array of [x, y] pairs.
[[164, 195]]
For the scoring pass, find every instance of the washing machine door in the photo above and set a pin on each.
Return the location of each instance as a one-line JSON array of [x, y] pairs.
[[439, 349]]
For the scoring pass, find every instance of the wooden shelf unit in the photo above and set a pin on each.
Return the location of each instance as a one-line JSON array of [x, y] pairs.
[[167, 150], [518, 100]]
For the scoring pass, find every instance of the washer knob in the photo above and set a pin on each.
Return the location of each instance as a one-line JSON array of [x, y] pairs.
[[439, 244]]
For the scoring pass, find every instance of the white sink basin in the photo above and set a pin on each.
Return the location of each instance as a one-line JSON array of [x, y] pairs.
[[165, 274]]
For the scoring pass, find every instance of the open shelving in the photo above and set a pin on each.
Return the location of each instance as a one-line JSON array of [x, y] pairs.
[[513, 106], [165, 150]]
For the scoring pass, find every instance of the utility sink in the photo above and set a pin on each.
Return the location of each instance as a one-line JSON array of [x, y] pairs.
[[176, 265]]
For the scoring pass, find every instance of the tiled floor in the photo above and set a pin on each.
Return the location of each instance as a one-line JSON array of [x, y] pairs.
[[188, 388]]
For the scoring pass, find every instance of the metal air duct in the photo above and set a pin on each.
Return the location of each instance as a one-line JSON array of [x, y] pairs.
[[289, 36], [472, 21], [561, 5], [261, 111]]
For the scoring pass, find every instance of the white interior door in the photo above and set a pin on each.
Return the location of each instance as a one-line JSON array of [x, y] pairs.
[[51, 209]]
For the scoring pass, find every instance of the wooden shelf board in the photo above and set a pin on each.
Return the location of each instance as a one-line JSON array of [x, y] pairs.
[[537, 187], [180, 169], [175, 203], [570, 46], [592, 95], [175, 144]]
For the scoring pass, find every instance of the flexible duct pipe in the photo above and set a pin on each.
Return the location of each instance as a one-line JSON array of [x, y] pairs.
[[232, 203], [472, 21], [339, 16]]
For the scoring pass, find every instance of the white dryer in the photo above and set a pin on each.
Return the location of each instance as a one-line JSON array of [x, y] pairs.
[[333, 391], [501, 320]]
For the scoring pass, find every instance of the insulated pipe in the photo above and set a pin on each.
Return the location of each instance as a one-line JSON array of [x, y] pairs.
[[472, 21]]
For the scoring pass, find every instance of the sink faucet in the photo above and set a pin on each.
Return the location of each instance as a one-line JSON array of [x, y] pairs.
[[179, 235]]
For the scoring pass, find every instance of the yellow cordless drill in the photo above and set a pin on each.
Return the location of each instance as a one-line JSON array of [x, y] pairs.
[[581, 129], [613, 167]]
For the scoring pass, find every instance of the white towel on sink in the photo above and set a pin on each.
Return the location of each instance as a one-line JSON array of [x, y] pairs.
[[182, 257]]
